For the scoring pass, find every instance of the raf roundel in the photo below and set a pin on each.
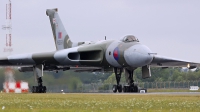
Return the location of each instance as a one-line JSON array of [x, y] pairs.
[[116, 53]]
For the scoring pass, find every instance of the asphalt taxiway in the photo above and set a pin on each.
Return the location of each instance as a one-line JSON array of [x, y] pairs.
[[151, 93], [176, 93]]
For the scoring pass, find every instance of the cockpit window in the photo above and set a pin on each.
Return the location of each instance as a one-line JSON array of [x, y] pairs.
[[130, 38]]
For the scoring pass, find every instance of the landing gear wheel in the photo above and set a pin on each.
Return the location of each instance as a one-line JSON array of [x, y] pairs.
[[40, 88], [126, 88], [37, 89], [44, 89], [33, 89], [119, 88], [114, 88], [135, 89], [131, 88]]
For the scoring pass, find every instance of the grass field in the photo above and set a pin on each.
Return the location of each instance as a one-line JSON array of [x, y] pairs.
[[82, 102]]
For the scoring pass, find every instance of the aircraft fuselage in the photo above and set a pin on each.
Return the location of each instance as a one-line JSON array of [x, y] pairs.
[[108, 53]]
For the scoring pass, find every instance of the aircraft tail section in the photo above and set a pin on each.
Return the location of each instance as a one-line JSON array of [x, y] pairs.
[[61, 38]]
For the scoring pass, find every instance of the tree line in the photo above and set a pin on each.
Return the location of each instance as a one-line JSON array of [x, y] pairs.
[[161, 75], [75, 79]]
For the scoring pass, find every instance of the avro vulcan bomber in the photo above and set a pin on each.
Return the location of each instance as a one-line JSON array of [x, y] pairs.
[[123, 55]]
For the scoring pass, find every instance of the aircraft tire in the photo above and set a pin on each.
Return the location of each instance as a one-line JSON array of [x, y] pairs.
[[37, 89], [126, 89], [33, 89], [114, 88], [135, 89], [145, 90], [131, 88], [44, 89], [119, 88]]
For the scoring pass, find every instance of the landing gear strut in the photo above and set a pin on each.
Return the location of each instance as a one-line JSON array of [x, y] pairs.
[[40, 88], [118, 87]]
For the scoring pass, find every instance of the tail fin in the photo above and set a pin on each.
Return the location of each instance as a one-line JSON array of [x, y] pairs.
[[61, 38]]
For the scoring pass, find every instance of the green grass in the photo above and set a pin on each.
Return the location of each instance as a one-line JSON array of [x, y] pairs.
[[82, 102]]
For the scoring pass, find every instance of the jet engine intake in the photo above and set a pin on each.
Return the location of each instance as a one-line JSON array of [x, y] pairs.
[[87, 55]]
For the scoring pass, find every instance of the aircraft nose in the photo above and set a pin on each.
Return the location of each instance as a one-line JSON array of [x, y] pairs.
[[138, 55]]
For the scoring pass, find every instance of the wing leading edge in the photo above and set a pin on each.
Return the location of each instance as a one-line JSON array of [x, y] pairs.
[[161, 61]]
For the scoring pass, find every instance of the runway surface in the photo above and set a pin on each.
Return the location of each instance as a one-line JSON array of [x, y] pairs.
[[176, 93], [152, 93]]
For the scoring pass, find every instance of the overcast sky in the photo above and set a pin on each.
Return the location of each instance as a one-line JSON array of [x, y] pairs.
[[168, 27]]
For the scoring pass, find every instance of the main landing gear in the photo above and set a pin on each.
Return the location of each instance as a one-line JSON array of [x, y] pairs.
[[130, 87], [40, 88]]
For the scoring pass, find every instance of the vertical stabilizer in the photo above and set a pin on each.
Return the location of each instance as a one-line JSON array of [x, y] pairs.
[[61, 38]]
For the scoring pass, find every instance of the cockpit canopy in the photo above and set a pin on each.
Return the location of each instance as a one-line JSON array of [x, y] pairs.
[[129, 38]]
